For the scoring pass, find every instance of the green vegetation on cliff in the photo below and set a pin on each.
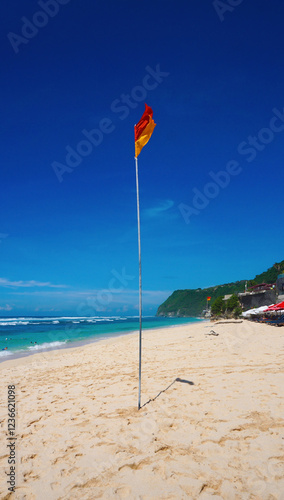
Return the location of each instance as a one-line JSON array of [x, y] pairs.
[[226, 308], [193, 302], [270, 276]]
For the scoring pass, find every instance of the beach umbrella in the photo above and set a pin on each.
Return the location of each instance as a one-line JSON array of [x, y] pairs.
[[248, 313], [279, 307], [255, 310], [270, 308], [261, 309], [275, 307]]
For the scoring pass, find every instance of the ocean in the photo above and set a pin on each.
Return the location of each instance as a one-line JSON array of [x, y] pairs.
[[23, 336]]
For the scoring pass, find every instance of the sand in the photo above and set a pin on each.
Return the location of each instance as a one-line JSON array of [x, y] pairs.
[[211, 425]]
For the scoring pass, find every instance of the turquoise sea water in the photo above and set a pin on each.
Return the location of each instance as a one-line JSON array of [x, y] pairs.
[[25, 335]]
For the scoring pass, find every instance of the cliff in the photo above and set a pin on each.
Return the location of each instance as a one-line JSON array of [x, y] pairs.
[[192, 302]]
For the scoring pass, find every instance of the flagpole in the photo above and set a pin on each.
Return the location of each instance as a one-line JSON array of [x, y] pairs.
[[140, 285]]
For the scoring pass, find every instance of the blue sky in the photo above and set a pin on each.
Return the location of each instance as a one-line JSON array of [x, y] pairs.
[[213, 74]]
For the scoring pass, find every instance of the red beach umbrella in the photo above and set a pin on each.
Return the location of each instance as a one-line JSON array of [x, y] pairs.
[[275, 307], [279, 307]]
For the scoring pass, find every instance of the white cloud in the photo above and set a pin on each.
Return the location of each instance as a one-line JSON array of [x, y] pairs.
[[100, 297], [7, 307], [160, 209], [4, 282]]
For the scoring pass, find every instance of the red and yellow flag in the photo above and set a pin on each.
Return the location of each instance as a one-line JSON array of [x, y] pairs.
[[144, 129]]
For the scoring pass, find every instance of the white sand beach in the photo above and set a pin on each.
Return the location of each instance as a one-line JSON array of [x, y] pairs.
[[211, 425]]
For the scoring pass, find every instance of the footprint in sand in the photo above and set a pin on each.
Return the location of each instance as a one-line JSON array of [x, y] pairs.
[[123, 491]]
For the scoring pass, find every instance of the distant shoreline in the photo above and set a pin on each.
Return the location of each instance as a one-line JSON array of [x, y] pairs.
[[95, 338]]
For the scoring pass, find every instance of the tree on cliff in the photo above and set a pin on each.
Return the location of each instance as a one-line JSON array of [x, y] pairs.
[[232, 303], [218, 306], [229, 307]]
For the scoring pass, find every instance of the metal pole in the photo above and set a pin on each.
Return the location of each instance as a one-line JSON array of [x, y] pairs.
[[140, 286]]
